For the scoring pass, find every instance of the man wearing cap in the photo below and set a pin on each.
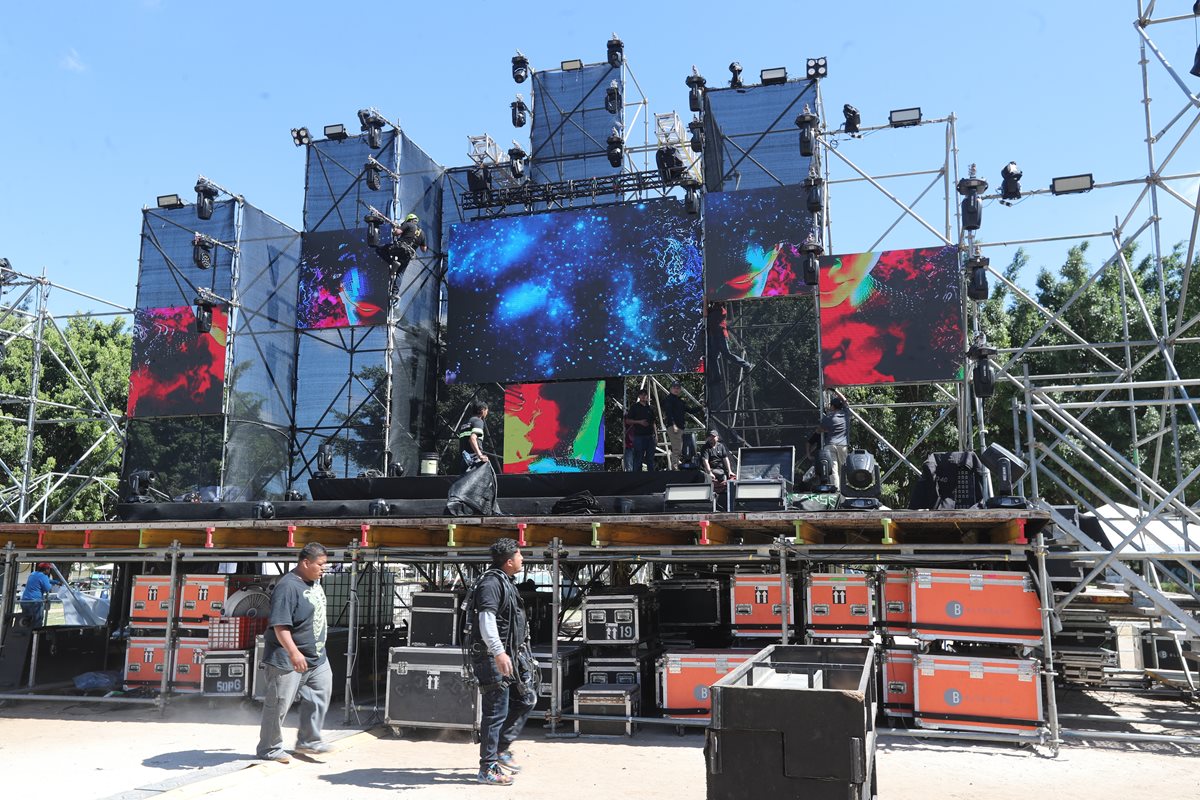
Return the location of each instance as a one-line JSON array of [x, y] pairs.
[[406, 238], [33, 599], [715, 460], [640, 421], [675, 412]]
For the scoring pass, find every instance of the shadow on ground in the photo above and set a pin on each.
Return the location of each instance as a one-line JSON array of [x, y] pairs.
[[196, 759], [401, 778]]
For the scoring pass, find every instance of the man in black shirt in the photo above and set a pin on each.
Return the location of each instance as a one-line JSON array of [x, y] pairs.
[[406, 238], [675, 410], [501, 662], [834, 428], [294, 654], [470, 436], [715, 460], [640, 420]]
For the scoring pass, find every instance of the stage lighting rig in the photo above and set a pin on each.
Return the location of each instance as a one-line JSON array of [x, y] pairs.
[[206, 196], [264, 509], [772, 76], [983, 374], [1072, 184], [612, 98], [294, 496], [977, 281], [824, 468], [860, 482], [904, 117], [520, 112], [202, 251], [571, 65], [615, 148], [141, 484], [1195, 70], [691, 196], [1008, 470], [336, 132], [810, 261], [972, 207], [696, 129], [807, 122], [375, 219], [616, 52], [371, 123], [520, 67], [205, 301], [735, 76], [695, 83], [817, 68], [1010, 183], [479, 179], [374, 176], [814, 195], [516, 161], [301, 137], [324, 462], [169, 202], [853, 119], [670, 164]]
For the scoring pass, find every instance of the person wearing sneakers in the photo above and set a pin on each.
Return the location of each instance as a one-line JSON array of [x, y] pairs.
[[501, 662], [296, 663], [407, 237]]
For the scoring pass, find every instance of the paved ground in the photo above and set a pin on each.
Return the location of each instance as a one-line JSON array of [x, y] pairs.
[[88, 751]]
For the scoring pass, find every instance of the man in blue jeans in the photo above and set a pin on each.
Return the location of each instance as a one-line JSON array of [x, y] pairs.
[[641, 421], [33, 598], [501, 662], [296, 663]]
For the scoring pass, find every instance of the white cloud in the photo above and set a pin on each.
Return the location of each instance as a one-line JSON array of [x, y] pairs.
[[71, 62]]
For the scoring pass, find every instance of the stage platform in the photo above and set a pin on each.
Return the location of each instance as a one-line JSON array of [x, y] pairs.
[[858, 531]]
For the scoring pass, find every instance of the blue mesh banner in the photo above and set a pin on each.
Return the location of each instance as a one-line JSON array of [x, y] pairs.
[[751, 139], [167, 273], [335, 185], [570, 124]]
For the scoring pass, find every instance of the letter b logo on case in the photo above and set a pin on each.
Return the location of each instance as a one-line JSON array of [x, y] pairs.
[[954, 609], [953, 697]]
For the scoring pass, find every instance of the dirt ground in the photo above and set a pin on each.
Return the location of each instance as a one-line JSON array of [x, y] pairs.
[[202, 749]]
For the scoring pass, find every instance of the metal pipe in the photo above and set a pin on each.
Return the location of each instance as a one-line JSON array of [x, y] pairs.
[[169, 635], [1182, 723], [785, 611], [8, 585], [555, 609], [351, 649], [1010, 738], [75, 698], [1046, 601], [34, 645], [1131, 737]]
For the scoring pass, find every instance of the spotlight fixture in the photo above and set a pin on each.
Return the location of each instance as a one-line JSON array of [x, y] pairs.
[[206, 196], [516, 161], [772, 76], [264, 509], [572, 65], [696, 128], [204, 315], [810, 262], [294, 496], [691, 197], [1195, 70], [616, 148], [824, 469], [807, 121], [853, 119], [170, 201], [374, 172], [670, 164], [612, 98], [374, 222], [520, 112], [816, 68], [1008, 470], [324, 462], [479, 179], [977, 281], [520, 67], [379, 508], [814, 196], [695, 83], [972, 207], [735, 76], [202, 251], [141, 483], [1010, 183], [1072, 184], [336, 132], [904, 117], [301, 137], [983, 375], [371, 123], [616, 52], [860, 482]]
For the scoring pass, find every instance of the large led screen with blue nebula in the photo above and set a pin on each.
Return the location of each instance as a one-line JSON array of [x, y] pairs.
[[343, 282], [751, 240], [588, 293]]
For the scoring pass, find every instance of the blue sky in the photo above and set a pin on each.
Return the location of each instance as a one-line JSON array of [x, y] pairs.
[[107, 105]]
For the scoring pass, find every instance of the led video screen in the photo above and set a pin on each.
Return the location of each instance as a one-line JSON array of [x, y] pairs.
[[891, 317], [554, 427], [343, 282], [750, 241], [588, 293], [176, 371]]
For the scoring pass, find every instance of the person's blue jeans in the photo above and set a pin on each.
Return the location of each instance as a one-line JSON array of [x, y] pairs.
[[643, 453], [315, 688], [504, 707], [34, 611]]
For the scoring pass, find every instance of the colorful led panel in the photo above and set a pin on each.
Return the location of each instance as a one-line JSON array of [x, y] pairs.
[[554, 427], [343, 282], [176, 371]]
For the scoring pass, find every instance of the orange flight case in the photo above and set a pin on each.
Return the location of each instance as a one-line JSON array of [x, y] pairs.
[[204, 596], [963, 692], [189, 665], [145, 660], [839, 606], [897, 602], [757, 605], [898, 681], [975, 606], [685, 677], [150, 605]]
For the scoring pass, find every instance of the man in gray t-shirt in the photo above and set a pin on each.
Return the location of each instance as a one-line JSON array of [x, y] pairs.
[[294, 655]]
